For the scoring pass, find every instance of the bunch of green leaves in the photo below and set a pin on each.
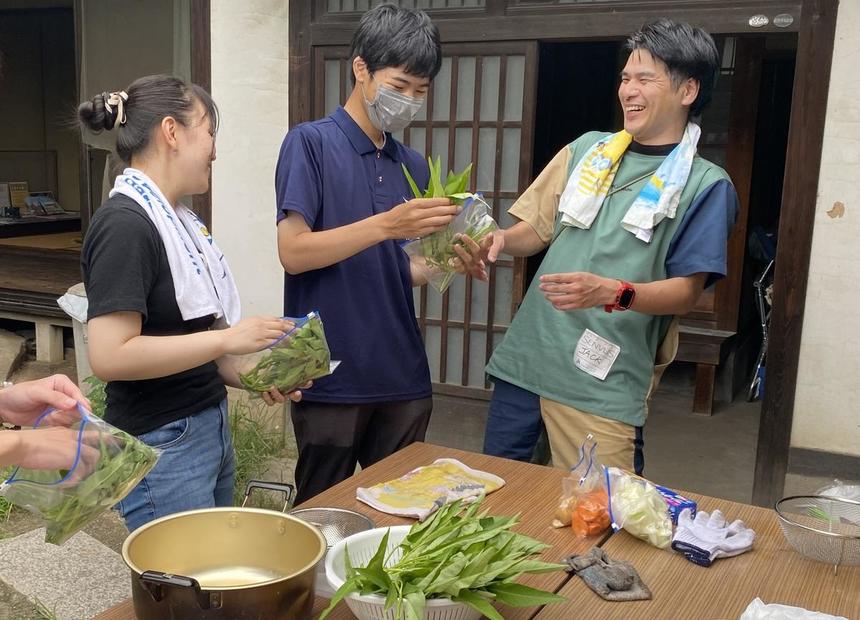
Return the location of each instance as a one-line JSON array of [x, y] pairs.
[[454, 186], [67, 507], [302, 355], [437, 249], [457, 554]]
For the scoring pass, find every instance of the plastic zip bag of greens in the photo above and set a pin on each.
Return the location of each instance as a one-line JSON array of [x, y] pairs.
[[436, 254], [109, 463], [301, 355], [636, 505]]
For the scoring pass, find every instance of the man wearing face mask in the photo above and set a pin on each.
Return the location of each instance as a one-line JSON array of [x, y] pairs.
[[342, 217]]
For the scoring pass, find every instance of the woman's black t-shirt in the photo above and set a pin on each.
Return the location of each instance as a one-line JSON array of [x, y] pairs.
[[125, 269]]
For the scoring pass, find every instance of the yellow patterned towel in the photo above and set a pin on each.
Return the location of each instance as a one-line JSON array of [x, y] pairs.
[[591, 179], [423, 490]]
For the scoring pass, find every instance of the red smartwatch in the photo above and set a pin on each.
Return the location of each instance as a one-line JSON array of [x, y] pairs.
[[624, 297]]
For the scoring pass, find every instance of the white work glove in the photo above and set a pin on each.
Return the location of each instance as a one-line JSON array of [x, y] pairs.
[[707, 537]]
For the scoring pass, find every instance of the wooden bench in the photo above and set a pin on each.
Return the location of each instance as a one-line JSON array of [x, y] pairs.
[[42, 310], [707, 348]]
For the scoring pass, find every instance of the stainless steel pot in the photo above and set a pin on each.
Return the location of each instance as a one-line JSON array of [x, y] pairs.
[[224, 563]]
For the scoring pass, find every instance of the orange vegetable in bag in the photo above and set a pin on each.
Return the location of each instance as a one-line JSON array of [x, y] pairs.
[[590, 514]]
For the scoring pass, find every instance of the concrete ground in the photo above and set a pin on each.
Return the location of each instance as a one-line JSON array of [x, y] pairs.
[[714, 455]]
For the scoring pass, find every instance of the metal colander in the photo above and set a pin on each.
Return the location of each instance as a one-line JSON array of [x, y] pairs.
[[823, 528], [334, 523]]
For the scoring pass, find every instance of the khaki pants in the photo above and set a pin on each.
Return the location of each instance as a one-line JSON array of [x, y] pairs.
[[567, 426]]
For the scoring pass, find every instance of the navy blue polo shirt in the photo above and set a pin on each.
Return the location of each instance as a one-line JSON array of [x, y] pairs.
[[331, 173]]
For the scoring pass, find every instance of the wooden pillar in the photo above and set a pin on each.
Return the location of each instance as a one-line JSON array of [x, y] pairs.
[[797, 216]]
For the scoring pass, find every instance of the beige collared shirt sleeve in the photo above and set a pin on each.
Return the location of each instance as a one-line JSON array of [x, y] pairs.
[[538, 205]]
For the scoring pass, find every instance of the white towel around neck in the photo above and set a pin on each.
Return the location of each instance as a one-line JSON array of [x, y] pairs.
[[202, 279]]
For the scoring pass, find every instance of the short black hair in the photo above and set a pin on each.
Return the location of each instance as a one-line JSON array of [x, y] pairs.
[[688, 52], [390, 36], [150, 99]]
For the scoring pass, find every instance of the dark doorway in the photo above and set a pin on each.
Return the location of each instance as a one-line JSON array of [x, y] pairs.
[[766, 186], [577, 85]]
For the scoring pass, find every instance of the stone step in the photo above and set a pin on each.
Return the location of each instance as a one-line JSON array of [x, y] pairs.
[[77, 580]]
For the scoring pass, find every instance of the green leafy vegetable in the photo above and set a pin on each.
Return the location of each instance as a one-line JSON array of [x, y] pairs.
[[301, 356], [474, 221], [123, 462], [110, 467], [459, 554]]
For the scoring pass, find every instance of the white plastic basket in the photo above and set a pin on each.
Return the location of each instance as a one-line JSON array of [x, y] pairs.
[[362, 546]]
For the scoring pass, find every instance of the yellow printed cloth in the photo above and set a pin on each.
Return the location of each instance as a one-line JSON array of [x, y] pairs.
[[425, 489], [591, 179]]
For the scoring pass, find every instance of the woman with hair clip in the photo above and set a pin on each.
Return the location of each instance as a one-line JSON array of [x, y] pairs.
[[164, 314]]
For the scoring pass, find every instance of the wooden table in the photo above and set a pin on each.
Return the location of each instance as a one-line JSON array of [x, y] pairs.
[[772, 571], [531, 490]]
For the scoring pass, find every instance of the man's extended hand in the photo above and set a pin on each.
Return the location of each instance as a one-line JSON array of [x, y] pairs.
[[474, 257], [21, 404], [578, 290]]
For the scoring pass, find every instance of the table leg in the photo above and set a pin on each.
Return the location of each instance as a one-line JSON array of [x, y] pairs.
[[49, 342], [703, 397]]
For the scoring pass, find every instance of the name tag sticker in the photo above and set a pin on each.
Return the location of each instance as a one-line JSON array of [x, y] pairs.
[[595, 355]]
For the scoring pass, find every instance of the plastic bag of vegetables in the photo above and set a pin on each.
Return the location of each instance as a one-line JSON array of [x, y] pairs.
[[301, 355], [108, 465], [583, 504], [636, 505], [436, 252]]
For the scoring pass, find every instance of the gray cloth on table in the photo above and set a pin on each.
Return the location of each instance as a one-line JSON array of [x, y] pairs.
[[613, 580]]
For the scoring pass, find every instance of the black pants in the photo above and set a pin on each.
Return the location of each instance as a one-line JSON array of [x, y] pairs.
[[332, 438]]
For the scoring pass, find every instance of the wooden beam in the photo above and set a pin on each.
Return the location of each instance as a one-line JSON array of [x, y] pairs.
[[300, 62], [797, 217], [593, 20], [201, 74]]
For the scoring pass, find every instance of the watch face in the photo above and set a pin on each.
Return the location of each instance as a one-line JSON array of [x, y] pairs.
[[626, 298]]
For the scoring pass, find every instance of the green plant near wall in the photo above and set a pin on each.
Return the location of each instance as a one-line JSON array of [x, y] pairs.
[[5, 506], [96, 394], [254, 443]]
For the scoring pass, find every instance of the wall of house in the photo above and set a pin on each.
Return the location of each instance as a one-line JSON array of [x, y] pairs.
[[249, 84], [828, 390]]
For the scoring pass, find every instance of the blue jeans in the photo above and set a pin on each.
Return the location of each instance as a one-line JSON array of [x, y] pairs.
[[514, 422], [196, 468]]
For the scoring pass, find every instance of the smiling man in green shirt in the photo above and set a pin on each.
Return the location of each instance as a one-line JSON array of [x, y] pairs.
[[636, 225]]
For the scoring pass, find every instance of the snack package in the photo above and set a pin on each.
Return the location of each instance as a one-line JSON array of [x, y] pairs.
[[436, 251], [108, 465], [676, 503], [637, 506], [299, 356]]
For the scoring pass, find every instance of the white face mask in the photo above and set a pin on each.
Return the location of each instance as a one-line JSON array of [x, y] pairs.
[[392, 111]]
